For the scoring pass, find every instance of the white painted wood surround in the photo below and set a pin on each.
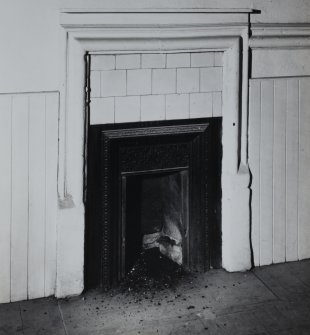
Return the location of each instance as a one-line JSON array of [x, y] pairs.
[[265, 107], [117, 33]]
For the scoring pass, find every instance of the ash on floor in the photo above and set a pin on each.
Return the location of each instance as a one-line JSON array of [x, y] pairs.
[[154, 272]]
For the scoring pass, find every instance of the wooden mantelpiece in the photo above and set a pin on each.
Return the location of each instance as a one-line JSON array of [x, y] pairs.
[[152, 32]]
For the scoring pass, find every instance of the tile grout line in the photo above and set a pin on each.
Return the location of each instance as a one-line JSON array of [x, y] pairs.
[[298, 170], [21, 318], [260, 174], [202, 322], [11, 193], [274, 106], [28, 193], [251, 307], [269, 289], [272, 170], [286, 145], [62, 319], [45, 193]]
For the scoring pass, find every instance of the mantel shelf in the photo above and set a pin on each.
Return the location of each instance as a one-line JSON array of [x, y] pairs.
[[158, 10]]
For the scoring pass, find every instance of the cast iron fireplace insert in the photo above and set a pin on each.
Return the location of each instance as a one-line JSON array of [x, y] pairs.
[[149, 183]]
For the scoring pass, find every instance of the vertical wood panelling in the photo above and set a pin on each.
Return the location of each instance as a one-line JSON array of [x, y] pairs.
[[19, 230], [279, 159], [5, 198], [36, 240], [254, 159], [28, 195], [266, 172], [304, 171], [292, 169], [279, 172], [51, 136]]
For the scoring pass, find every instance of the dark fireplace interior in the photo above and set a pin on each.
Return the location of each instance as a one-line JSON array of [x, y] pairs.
[[155, 214], [152, 186]]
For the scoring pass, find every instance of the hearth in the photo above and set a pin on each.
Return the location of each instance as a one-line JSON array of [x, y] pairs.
[[152, 185]]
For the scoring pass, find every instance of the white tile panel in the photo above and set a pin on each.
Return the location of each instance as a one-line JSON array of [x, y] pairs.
[[153, 61], [177, 106], [127, 109], [113, 83], [139, 82], [202, 59], [132, 61], [187, 80], [153, 107], [178, 60], [163, 81], [102, 110], [201, 105]]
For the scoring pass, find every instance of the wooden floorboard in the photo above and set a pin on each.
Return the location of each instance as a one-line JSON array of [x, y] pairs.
[[288, 281], [271, 300], [41, 316], [10, 319]]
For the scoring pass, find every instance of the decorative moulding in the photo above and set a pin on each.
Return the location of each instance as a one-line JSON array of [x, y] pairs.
[[280, 50], [157, 10], [280, 29], [154, 17]]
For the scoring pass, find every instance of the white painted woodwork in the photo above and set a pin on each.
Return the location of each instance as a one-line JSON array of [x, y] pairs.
[[254, 162], [28, 195], [5, 196], [266, 172], [51, 203], [304, 170], [291, 167], [36, 191], [153, 18], [20, 200], [279, 159], [270, 61]]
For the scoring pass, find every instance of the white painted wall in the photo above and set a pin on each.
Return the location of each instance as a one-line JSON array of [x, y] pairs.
[[28, 195], [29, 45]]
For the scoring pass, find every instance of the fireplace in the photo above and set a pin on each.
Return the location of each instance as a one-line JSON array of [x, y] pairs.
[[152, 185], [113, 32]]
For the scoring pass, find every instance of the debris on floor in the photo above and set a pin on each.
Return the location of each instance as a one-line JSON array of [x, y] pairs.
[[153, 272]]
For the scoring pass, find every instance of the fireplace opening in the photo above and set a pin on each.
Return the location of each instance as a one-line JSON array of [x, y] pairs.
[[153, 193], [154, 214]]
